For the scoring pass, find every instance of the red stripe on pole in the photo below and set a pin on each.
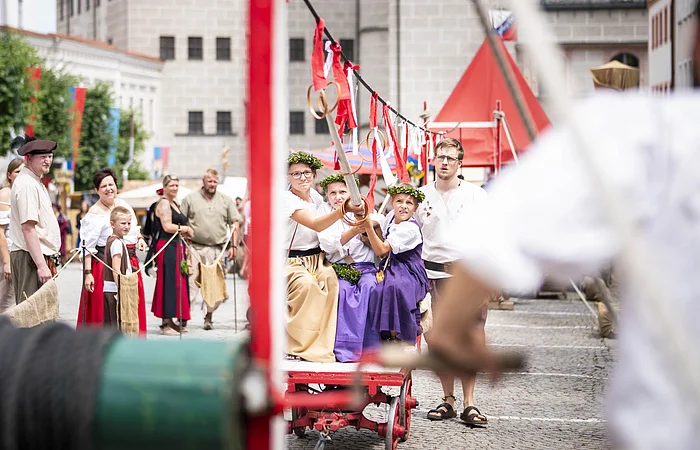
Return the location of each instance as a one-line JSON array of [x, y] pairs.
[[260, 151]]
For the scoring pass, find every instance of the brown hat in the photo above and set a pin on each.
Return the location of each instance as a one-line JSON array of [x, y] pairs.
[[37, 147]]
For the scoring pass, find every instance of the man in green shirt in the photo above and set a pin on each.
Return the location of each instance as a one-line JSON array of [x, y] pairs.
[[210, 215]]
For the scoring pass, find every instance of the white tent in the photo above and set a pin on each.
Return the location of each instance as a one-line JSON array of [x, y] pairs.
[[234, 187], [143, 197]]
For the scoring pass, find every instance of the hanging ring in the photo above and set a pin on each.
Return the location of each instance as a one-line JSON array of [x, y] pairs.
[[362, 162], [322, 101], [358, 222]]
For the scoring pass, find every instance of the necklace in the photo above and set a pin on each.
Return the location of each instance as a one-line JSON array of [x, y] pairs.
[[105, 205]]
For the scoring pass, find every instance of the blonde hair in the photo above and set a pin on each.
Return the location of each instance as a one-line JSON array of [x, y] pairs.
[[118, 212], [12, 166], [168, 178], [212, 172]]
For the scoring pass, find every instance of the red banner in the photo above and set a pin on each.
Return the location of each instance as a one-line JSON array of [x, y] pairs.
[[77, 121], [34, 77], [317, 75]]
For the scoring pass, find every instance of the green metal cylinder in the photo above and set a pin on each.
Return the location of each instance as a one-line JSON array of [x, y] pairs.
[[157, 394]]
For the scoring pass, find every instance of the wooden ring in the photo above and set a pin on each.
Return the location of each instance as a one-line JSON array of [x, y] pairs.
[[381, 134], [355, 223], [322, 101], [362, 162]]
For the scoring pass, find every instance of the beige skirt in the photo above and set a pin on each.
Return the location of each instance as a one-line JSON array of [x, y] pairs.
[[312, 308]]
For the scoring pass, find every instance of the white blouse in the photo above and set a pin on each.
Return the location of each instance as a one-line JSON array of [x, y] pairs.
[[95, 228], [402, 236], [5, 220], [330, 240], [305, 238]]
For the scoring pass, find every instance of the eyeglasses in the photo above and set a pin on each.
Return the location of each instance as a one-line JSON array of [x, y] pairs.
[[305, 174], [445, 158]]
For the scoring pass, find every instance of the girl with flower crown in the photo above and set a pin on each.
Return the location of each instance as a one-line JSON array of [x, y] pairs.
[[393, 312], [312, 286]]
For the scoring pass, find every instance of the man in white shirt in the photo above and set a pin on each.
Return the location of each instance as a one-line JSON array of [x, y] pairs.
[[34, 230], [647, 149], [449, 200]]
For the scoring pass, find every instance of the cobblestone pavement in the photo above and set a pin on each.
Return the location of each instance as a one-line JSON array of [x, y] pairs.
[[555, 403]]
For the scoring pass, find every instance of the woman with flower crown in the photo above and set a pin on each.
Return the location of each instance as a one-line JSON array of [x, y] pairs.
[[352, 259], [393, 312], [312, 286]]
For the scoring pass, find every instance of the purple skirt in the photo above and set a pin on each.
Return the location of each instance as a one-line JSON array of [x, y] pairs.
[[352, 313], [393, 304]]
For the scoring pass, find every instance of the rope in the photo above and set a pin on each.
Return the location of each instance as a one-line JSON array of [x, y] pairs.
[[48, 391], [221, 254], [116, 272], [362, 80], [76, 252]]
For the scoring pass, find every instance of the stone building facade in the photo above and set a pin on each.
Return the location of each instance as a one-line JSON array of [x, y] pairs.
[[409, 51], [672, 26]]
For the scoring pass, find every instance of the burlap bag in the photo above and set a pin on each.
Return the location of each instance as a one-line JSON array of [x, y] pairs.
[[129, 304], [41, 307], [210, 279], [426, 313]]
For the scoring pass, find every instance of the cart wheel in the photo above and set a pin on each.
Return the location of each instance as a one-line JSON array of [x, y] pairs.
[[296, 414], [391, 443], [405, 411]]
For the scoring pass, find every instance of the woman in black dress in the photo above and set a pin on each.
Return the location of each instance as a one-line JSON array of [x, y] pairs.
[[171, 298]]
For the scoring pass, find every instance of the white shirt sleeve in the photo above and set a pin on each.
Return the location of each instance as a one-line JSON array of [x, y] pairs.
[[404, 236], [543, 218], [291, 203], [90, 229], [116, 248], [330, 237]]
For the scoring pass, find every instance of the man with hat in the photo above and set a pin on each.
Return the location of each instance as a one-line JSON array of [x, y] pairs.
[[34, 231]]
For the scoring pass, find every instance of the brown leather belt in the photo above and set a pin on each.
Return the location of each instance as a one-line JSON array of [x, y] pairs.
[[439, 267]]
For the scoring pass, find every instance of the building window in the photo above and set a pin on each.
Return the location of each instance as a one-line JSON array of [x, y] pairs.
[[97, 3], [322, 126], [223, 49], [70, 8], [348, 47], [78, 6], [196, 122], [60, 9], [296, 49], [627, 58], [223, 122], [87, 5], [296, 122], [666, 24], [167, 48], [194, 48]]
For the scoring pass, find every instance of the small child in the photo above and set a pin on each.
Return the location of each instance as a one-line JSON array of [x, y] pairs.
[[116, 256], [393, 312]]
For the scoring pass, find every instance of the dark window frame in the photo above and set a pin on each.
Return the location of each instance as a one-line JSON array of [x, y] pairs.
[[167, 52], [223, 123], [78, 6], [61, 12], [297, 124], [223, 49], [195, 52], [195, 123], [344, 45], [87, 5], [297, 49], [321, 126]]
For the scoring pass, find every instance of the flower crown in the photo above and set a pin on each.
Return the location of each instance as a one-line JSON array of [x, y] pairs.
[[410, 190], [304, 158], [335, 178]]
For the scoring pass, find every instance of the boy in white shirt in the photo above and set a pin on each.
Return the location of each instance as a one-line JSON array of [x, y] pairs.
[[117, 259]]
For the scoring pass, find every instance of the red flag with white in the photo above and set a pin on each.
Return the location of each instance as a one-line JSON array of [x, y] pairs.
[[504, 24]]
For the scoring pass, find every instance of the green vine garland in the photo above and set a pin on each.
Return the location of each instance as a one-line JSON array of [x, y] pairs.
[[403, 189], [347, 272], [335, 178], [304, 158], [184, 267]]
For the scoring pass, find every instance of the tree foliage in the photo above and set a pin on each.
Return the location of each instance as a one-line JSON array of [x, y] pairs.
[[94, 138], [16, 56], [52, 120], [136, 172]]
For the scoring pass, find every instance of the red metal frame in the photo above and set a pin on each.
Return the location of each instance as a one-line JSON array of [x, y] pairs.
[[261, 34]]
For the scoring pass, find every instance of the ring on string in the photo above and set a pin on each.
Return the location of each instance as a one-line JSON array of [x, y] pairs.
[[355, 223], [362, 162], [322, 101], [369, 145]]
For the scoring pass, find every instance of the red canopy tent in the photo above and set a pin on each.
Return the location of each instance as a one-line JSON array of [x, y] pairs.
[[468, 113]]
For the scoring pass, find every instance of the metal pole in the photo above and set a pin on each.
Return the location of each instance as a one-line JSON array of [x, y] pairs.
[[355, 197], [499, 127], [82, 315], [235, 300]]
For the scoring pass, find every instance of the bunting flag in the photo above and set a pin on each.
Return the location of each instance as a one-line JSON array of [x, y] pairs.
[[113, 129], [344, 111], [34, 77], [504, 24], [76, 111], [373, 126], [317, 74], [401, 171], [350, 68]]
